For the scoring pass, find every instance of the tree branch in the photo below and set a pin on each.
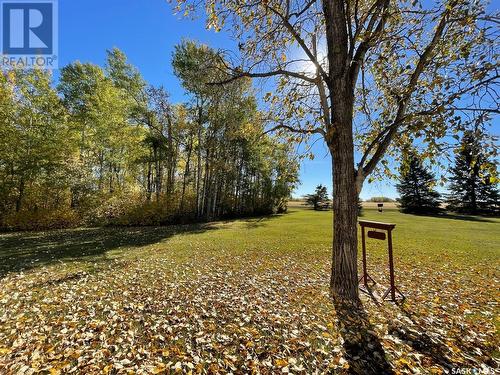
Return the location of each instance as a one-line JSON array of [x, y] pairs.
[[403, 103], [295, 130], [364, 46], [299, 40], [264, 75], [299, 13]]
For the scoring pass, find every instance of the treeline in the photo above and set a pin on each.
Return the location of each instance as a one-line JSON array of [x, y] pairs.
[[380, 199], [104, 147], [473, 181]]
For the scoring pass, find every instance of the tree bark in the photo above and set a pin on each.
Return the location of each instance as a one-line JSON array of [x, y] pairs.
[[339, 137], [20, 197], [186, 173], [198, 172], [344, 276], [149, 182], [157, 180]]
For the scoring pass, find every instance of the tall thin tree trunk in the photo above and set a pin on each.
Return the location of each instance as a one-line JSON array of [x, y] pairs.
[[20, 196], [111, 190], [186, 174], [198, 178], [149, 182], [205, 196], [171, 163], [157, 161], [101, 171], [172, 169]]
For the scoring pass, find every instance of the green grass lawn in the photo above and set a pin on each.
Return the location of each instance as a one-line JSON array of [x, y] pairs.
[[245, 296]]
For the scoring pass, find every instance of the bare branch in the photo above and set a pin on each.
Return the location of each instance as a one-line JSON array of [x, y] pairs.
[[382, 6], [484, 110], [264, 75], [305, 9], [299, 40], [295, 130]]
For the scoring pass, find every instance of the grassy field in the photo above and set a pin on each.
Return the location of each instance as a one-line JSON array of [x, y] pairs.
[[247, 296]]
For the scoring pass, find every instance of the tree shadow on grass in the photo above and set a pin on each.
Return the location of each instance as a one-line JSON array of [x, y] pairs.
[[418, 338], [260, 221], [27, 250], [364, 351]]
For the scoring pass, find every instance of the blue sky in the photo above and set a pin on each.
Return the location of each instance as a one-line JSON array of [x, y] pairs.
[[147, 32]]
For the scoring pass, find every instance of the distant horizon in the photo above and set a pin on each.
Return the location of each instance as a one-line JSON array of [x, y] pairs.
[[363, 200]]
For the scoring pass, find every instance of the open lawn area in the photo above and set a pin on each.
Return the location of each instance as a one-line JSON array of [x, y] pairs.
[[247, 296]]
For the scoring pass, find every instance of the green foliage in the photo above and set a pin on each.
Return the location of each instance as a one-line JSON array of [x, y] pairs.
[[473, 182], [320, 199], [380, 199], [36, 147], [360, 207], [123, 75], [416, 188], [107, 149], [252, 173]]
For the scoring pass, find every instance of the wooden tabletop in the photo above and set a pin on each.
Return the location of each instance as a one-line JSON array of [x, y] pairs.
[[376, 224]]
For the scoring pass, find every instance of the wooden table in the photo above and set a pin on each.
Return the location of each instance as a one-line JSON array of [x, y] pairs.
[[381, 232]]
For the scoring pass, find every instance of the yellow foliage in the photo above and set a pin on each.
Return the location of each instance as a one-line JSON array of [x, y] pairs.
[[41, 219]]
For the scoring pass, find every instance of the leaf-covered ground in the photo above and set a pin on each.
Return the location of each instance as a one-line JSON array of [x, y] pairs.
[[247, 296]]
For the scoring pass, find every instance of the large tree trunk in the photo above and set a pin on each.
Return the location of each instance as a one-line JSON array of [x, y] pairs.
[[339, 137], [344, 277]]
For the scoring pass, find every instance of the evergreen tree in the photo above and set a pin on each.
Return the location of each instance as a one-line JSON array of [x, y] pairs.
[[360, 206], [416, 188], [473, 187], [319, 199]]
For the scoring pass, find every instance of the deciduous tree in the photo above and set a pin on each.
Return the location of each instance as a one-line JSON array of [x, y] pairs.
[[374, 74], [36, 145]]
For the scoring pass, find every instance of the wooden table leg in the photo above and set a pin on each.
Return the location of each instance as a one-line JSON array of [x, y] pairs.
[[365, 277]]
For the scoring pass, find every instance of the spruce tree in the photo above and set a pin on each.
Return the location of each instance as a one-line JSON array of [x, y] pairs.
[[319, 200], [416, 188], [473, 189]]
